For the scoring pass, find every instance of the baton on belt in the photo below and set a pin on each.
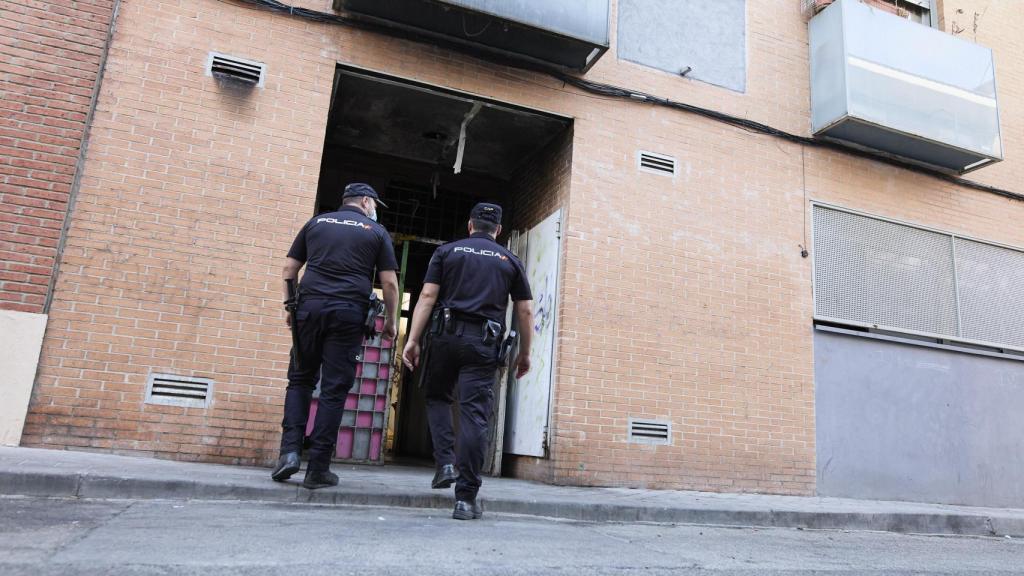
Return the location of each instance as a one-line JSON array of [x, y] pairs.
[[291, 305], [421, 377], [439, 320], [506, 348]]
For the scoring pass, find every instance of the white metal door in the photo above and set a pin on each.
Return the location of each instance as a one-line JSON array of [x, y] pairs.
[[529, 399], [496, 431]]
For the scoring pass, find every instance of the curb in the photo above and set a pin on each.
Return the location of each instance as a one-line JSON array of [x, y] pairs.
[[76, 485]]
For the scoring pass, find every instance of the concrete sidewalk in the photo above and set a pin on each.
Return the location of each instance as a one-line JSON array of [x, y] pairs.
[[54, 473]]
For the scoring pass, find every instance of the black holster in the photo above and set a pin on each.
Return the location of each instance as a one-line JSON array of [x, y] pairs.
[[493, 332], [440, 321], [376, 309]]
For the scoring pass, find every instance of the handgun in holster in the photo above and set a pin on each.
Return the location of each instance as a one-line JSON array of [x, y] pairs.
[[505, 350], [376, 309]]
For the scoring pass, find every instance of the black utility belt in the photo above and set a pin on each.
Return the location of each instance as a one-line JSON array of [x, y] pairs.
[[374, 307], [448, 321]]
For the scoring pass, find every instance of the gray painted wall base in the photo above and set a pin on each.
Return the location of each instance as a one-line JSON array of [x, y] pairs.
[[903, 422]]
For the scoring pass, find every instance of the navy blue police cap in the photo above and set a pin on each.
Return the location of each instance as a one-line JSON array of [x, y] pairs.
[[486, 212], [356, 189]]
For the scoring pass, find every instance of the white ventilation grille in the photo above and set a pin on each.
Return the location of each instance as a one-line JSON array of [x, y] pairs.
[[896, 277], [233, 68], [656, 163], [989, 279], [879, 273], [642, 431], [171, 390]]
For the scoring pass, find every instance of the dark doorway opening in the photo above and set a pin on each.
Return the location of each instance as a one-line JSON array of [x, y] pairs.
[[408, 140]]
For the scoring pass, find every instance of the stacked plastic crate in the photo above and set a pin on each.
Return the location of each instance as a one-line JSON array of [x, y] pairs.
[[361, 436]]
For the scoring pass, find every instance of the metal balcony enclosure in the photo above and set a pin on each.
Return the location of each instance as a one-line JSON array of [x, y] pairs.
[[569, 34], [891, 86]]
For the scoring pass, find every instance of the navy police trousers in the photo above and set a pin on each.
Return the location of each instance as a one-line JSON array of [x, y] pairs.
[[461, 362], [330, 339]]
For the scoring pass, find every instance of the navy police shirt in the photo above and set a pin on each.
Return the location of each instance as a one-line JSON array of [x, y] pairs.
[[341, 250], [477, 276]]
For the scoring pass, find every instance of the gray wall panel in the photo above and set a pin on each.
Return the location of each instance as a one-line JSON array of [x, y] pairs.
[[707, 35], [903, 422]]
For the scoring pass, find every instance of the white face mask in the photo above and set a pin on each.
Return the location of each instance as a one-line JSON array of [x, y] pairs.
[[372, 213]]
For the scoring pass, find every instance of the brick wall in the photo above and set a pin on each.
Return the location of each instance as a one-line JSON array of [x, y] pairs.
[[50, 56], [683, 298], [997, 26], [191, 194], [541, 185]]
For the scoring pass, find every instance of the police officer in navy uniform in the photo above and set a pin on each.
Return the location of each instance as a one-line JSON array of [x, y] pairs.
[[464, 299], [340, 251]]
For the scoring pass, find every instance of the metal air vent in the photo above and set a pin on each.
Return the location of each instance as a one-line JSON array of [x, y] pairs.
[[233, 68], [171, 390], [656, 163], [649, 431]]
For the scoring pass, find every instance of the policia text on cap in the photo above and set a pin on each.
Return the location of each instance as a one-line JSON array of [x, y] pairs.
[[464, 299], [328, 320]]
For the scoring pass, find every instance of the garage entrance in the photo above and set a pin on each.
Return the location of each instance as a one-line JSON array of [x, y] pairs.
[[432, 153]]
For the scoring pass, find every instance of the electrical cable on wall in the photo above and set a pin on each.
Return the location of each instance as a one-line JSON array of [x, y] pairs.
[[611, 91]]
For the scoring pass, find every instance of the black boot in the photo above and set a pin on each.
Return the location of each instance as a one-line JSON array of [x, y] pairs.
[[316, 480], [467, 510], [445, 476], [287, 465]]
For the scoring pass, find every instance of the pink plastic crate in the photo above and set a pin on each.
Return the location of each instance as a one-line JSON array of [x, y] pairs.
[[375, 440], [366, 436], [344, 443]]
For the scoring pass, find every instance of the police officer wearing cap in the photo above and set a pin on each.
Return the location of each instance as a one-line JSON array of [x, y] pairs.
[[340, 251], [464, 299]]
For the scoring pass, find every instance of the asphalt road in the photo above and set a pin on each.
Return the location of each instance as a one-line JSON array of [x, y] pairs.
[[41, 537]]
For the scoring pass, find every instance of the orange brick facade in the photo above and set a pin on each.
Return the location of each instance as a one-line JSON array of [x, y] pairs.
[[685, 299], [51, 54]]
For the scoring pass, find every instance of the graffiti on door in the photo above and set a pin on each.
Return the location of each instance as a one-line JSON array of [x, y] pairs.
[[529, 400]]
